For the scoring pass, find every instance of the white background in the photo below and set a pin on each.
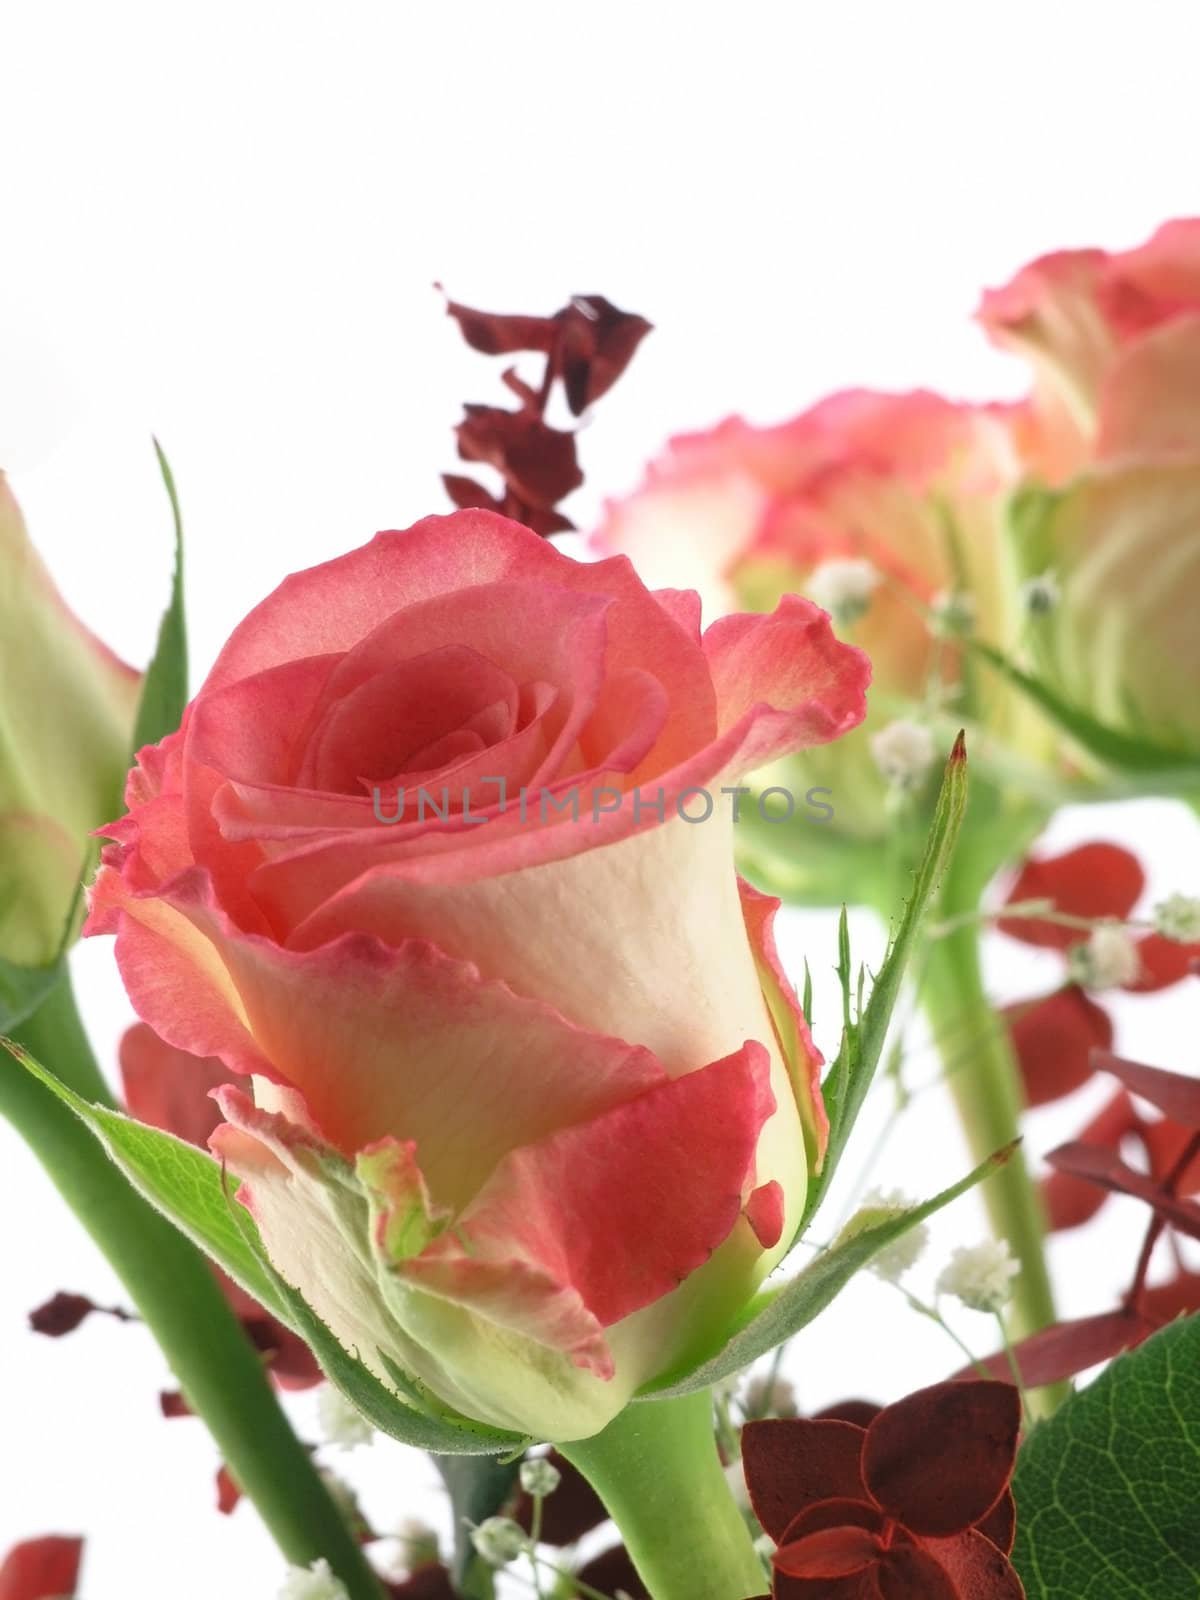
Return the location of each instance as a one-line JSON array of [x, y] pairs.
[[221, 223]]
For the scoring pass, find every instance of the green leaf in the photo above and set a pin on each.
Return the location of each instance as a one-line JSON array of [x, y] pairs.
[[1107, 1490], [852, 1072], [478, 1488], [183, 1182], [165, 688], [409, 1423], [1110, 745], [776, 1316], [22, 990]]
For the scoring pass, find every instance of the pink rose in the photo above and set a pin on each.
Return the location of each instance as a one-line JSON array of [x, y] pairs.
[[1114, 339], [534, 1106], [875, 505], [1112, 427]]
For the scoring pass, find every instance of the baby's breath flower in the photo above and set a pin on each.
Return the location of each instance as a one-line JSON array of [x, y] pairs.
[[499, 1540], [769, 1395], [895, 1259], [980, 1275], [1107, 959], [340, 1422], [843, 587], [539, 1477], [1178, 917], [954, 612], [1040, 595], [903, 752], [313, 1583]]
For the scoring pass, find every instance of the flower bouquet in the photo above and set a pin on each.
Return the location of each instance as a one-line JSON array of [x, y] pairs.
[[470, 1082]]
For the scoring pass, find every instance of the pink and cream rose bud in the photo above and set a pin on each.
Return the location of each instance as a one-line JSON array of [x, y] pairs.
[[67, 710], [529, 1105], [1110, 435]]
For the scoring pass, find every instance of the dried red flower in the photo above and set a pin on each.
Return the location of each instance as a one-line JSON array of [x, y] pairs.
[[916, 1504], [63, 1313], [42, 1569]]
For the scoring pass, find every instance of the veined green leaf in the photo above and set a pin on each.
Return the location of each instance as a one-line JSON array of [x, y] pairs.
[[1107, 1490]]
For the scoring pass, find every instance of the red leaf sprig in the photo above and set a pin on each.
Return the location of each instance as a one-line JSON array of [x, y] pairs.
[[914, 1506], [1055, 1034], [587, 346], [1094, 1164]]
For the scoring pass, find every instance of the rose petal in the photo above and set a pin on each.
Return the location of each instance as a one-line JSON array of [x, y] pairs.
[[618, 1210], [790, 1466], [783, 682], [803, 1059], [392, 1018], [169, 1088], [1148, 398], [940, 1459]]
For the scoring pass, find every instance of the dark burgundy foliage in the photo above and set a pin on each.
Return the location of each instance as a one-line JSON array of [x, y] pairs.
[[915, 1504], [172, 1404], [63, 1313], [862, 1412], [613, 1570], [1085, 1170], [228, 1493], [587, 345], [427, 1583], [42, 1569]]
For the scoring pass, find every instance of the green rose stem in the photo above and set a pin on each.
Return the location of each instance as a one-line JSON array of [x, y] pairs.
[[179, 1299], [657, 1471], [982, 1072]]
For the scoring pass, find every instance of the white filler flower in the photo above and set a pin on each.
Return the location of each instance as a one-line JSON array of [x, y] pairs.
[[1178, 917], [1107, 960], [981, 1275], [340, 1423], [843, 588], [313, 1583], [903, 752]]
